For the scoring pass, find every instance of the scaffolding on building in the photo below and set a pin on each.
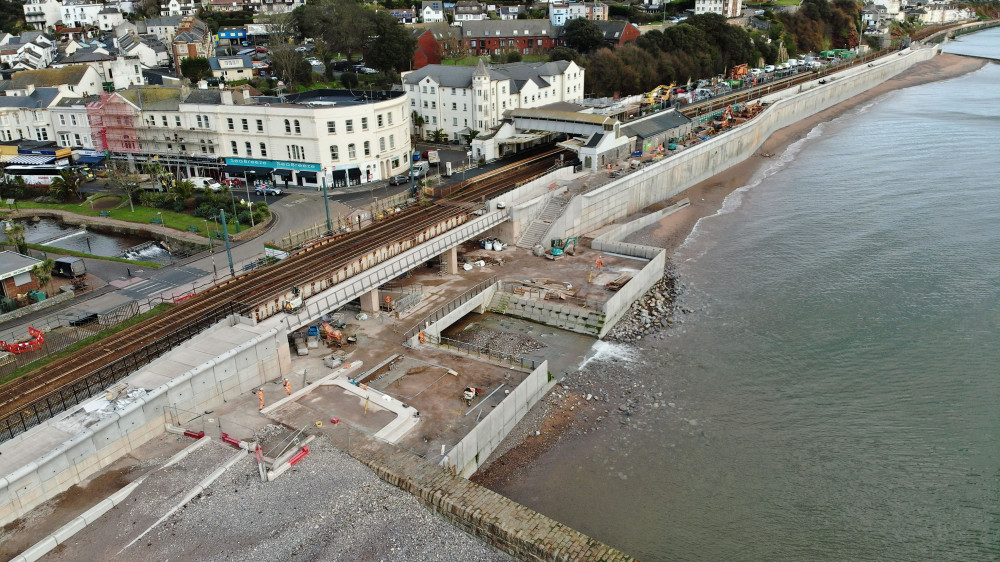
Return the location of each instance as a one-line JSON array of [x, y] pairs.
[[112, 120]]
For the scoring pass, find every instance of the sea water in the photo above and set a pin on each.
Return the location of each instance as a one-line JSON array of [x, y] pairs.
[[835, 393]]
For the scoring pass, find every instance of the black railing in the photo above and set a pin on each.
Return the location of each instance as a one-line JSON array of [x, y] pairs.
[[452, 305]]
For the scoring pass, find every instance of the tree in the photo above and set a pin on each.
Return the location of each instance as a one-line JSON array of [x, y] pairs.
[[182, 190], [392, 45], [290, 65], [195, 68], [12, 187], [66, 185], [344, 25], [514, 56], [565, 53], [438, 135], [418, 122], [349, 80], [15, 234], [583, 35], [122, 179], [43, 272]]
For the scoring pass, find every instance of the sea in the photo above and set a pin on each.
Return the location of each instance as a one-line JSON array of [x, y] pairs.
[[834, 393]]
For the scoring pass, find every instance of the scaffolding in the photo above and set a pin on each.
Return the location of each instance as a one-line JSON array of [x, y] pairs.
[[112, 120]]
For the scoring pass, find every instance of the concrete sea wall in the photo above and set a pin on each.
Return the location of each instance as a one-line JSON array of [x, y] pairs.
[[672, 175], [85, 440]]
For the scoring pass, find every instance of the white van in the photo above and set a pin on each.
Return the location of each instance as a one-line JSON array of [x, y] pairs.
[[201, 183]]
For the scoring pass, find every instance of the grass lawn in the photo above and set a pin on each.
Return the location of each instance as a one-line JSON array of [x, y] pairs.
[[141, 215], [473, 61]]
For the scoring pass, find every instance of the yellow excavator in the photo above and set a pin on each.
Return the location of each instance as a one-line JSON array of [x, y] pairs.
[[657, 94]]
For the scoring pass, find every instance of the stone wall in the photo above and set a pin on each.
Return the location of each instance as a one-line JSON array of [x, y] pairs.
[[195, 378], [466, 456], [505, 524], [63, 296], [570, 318]]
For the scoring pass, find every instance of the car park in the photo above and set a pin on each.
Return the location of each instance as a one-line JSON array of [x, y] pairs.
[[401, 179]]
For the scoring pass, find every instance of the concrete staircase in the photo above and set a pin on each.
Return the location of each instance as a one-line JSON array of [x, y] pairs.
[[500, 302], [538, 227]]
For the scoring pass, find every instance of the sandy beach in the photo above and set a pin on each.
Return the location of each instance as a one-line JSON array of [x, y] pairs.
[[553, 417]]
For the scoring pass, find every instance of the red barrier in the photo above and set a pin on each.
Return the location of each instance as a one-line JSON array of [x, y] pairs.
[[226, 438], [184, 298], [33, 344], [194, 434], [299, 456]]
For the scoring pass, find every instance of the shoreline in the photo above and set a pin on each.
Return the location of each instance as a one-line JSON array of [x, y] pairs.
[[563, 408]]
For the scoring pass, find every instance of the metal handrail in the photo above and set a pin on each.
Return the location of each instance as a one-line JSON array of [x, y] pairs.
[[448, 307]]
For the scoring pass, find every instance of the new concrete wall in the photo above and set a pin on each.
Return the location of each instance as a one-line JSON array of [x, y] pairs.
[[570, 318], [530, 199], [194, 377], [672, 175], [466, 456], [479, 302]]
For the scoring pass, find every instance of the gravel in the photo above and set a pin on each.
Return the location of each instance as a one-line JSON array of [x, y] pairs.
[[327, 507], [498, 342]]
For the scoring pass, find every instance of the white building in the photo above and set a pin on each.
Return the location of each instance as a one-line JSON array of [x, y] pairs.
[[936, 13], [150, 52], [118, 70], [431, 12], [469, 10], [180, 7], [42, 13], [69, 121], [725, 8], [79, 79], [24, 111], [163, 28], [560, 13], [78, 13], [232, 68], [460, 99], [29, 51]]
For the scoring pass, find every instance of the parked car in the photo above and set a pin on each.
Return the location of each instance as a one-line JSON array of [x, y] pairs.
[[769, 68], [302, 49], [401, 179], [314, 62], [342, 66], [267, 190], [261, 49], [232, 182], [202, 183]]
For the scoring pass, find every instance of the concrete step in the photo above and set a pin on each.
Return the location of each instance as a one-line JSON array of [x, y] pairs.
[[534, 234], [553, 209]]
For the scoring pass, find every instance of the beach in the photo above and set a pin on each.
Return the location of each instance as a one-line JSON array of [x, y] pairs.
[[566, 410]]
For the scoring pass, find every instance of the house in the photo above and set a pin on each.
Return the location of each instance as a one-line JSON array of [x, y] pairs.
[[118, 71], [936, 13], [179, 7], [562, 12], [510, 12], [29, 51], [69, 120], [193, 39], [431, 12], [232, 68], [108, 18], [163, 28], [42, 14], [435, 41], [453, 101], [79, 79], [468, 10], [147, 48], [493, 37], [405, 17], [227, 5], [16, 274], [618, 32], [80, 13], [23, 111], [272, 6], [725, 8]]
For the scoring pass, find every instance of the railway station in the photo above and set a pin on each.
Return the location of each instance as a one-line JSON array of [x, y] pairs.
[[364, 333]]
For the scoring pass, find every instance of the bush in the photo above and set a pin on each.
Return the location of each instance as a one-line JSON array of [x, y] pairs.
[[177, 206], [206, 211]]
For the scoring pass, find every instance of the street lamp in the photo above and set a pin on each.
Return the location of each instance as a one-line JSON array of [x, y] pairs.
[[159, 217], [211, 249]]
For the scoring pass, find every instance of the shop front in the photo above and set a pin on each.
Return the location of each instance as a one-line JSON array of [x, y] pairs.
[[282, 173]]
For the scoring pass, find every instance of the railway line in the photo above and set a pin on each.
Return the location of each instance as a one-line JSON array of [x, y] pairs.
[[55, 387]]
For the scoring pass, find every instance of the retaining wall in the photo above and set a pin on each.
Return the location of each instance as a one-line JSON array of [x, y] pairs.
[[672, 175], [63, 296], [569, 318], [530, 199], [195, 378], [433, 330], [505, 524], [466, 456]]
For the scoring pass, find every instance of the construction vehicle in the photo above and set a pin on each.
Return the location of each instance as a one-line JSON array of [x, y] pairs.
[[657, 94], [293, 304], [739, 72], [560, 246]]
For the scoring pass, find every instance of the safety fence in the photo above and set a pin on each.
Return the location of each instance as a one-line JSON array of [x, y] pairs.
[[480, 352], [448, 308], [539, 293]]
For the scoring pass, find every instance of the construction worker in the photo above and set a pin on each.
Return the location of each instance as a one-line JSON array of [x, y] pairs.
[[260, 398], [600, 263], [469, 394], [288, 387]]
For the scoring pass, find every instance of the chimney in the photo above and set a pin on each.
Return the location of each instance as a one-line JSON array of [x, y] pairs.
[[227, 97]]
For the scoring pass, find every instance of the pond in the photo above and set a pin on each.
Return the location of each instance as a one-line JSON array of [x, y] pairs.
[[50, 232]]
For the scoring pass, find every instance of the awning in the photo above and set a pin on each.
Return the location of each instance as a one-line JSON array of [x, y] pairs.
[[311, 176], [283, 173], [31, 160], [242, 170], [89, 159], [354, 173], [340, 175]]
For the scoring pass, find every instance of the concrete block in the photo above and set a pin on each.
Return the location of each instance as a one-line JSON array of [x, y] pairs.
[[67, 531], [40, 549]]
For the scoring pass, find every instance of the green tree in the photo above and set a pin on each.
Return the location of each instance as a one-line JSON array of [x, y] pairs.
[[514, 56], [195, 68], [349, 80], [66, 185], [15, 234], [43, 272], [12, 187], [565, 53], [391, 45], [418, 122], [583, 35], [438, 135], [182, 190], [344, 25], [122, 179]]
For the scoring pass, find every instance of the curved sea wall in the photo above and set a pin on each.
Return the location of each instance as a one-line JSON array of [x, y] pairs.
[[672, 175]]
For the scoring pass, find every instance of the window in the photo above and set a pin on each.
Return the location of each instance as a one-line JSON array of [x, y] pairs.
[[288, 127], [432, 89], [62, 119], [381, 144], [177, 121], [334, 152], [390, 118], [42, 134], [379, 117], [249, 152], [246, 124], [198, 118], [425, 104], [164, 120], [454, 121], [349, 125], [76, 139], [434, 105], [260, 126], [263, 150], [63, 139], [424, 90], [331, 127], [236, 151], [392, 141], [205, 119], [368, 148], [72, 120], [454, 107], [350, 151], [298, 130], [364, 123], [453, 91]]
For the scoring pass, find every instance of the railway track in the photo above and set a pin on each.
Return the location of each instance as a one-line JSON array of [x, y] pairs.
[[67, 379]]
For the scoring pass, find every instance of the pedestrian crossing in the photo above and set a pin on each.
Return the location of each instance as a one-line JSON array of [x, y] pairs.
[[145, 289]]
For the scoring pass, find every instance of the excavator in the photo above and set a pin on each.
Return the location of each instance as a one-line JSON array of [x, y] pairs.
[[560, 246], [657, 94]]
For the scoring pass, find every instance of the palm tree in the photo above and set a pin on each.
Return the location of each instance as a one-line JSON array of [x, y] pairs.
[[66, 185], [183, 190], [418, 122], [43, 272]]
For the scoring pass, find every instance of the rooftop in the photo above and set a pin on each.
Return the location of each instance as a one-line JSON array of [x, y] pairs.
[[13, 263]]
